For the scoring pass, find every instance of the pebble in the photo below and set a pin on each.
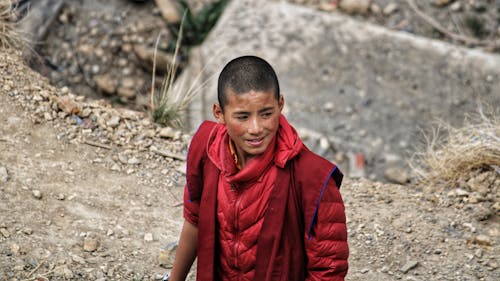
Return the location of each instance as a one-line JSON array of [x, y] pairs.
[[168, 10], [133, 161], [456, 6], [90, 244], [409, 266], [167, 255], [483, 240], [167, 132], [396, 175], [442, 3], [28, 231], [15, 248], [355, 6], [5, 232], [105, 84], [37, 194], [4, 174], [390, 9], [148, 237], [113, 122]]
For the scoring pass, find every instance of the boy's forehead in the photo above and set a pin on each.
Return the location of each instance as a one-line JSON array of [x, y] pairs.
[[235, 95]]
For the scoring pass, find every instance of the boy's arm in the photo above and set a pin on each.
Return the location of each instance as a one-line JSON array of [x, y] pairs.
[[186, 252], [327, 250]]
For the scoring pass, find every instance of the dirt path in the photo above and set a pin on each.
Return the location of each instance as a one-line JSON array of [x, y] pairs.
[[59, 194]]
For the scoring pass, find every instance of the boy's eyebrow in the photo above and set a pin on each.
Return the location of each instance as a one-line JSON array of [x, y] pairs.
[[247, 112]]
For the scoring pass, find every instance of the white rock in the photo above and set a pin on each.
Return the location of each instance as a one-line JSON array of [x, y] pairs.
[[168, 10], [37, 194], [4, 174], [396, 175], [167, 132], [148, 237], [113, 122], [390, 9], [355, 6]]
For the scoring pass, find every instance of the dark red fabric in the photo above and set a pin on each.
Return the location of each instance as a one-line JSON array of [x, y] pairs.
[[303, 235]]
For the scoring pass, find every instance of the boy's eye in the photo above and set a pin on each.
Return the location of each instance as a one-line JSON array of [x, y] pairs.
[[267, 114], [241, 117]]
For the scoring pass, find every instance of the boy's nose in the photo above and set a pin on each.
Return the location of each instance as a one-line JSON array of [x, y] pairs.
[[255, 127]]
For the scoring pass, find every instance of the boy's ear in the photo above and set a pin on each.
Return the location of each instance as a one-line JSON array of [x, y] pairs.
[[218, 113], [281, 102]]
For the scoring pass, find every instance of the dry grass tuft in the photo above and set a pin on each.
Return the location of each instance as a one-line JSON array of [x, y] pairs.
[[10, 37], [172, 99], [454, 153]]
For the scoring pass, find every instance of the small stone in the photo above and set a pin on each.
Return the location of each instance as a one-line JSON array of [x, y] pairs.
[[5, 232], [122, 158], [68, 105], [28, 231], [167, 132], [113, 122], [364, 270], [355, 6], [105, 84], [168, 11], [90, 244], [442, 3], [390, 9], [110, 232], [396, 175], [48, 116], [127, 93], [164, 60], [148, 237], [461, 193], [375, 8], [483, 240], [409, 266], [456, 7], [133, 161], [4, 174], [115, 167], [64, 272], [437, 252], [328, 106], [61, 197], [15, 248], [182, 168], [167, 255], [37, 194]]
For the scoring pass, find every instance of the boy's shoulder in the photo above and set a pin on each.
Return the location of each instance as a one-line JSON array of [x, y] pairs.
[[311, 166]]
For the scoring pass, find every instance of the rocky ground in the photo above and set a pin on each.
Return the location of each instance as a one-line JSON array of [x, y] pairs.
[[91, 190], [92, 193]]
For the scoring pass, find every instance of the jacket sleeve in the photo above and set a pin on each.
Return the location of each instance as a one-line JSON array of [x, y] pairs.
[[326, 245], [194, 172], [191, 208]]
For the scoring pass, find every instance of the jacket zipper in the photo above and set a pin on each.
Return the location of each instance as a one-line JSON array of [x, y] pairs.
[[237, 230]]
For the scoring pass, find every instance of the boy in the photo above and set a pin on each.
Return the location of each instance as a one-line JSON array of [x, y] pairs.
[[258, 205]]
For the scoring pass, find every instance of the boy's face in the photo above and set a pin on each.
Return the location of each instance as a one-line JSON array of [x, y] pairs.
[[251, 119]]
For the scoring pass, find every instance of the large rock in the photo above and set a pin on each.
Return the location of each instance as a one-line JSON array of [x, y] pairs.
[[168, 10], [384, 84]]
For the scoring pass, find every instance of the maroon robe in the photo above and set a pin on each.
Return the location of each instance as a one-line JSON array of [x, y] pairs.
[[287, 246]]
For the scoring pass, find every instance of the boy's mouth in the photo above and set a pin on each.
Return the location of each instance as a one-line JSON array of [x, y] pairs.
[[255, 142]]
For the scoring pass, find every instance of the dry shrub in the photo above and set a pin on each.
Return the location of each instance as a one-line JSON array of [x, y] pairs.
[[10, 37], [452, 153]]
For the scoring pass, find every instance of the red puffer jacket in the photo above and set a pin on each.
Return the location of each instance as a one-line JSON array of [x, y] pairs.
[[302, 234], [242, 200]]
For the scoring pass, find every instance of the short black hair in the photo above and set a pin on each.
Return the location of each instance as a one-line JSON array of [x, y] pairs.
[[244, 74]]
